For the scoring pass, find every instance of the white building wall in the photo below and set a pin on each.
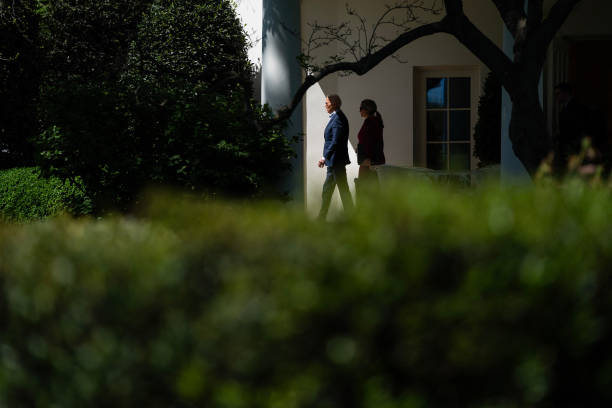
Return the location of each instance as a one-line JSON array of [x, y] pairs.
[[250, 13]]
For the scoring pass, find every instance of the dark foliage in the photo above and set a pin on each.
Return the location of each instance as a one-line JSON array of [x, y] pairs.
[[19, 81], [88, 40], [487, 143], [191, 84], [143, 94], [84, 113]]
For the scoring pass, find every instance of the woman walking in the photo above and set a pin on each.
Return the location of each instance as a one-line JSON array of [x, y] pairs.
[[370, 144]]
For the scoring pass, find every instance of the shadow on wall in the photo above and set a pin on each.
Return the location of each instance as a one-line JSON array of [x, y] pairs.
[[281, 45], [274, 15]]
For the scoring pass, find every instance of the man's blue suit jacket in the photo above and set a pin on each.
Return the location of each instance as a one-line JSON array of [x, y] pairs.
[[336, 135]]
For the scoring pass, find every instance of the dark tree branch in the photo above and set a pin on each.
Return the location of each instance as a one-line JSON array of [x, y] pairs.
[[535, 13], [387, 19], [362, 29], [480, 45], [361, 66], [511, 12], [460, 26], [549, 27], [360, 41], [453, 7]]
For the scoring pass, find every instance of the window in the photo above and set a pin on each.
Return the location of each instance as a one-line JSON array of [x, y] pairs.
[[444, 115]]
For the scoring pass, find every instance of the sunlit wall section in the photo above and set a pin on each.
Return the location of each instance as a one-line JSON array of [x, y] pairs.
[[251, 14]]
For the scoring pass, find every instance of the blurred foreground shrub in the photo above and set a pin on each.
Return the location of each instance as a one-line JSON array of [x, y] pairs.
[[426, 298], [25, 196]]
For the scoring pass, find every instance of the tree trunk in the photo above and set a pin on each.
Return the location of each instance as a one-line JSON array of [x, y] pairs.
[[531, 142], [528, 133]]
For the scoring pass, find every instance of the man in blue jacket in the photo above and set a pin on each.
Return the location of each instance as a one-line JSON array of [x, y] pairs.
[[335, 156]]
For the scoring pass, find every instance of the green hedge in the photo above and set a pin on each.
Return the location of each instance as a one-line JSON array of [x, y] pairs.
[[25, 196], [424, 298]]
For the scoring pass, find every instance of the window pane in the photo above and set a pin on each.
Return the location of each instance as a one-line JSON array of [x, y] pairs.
[[436, 155], [460, 93], [436, 126], [460, 126], [436, 93], [460, 156]]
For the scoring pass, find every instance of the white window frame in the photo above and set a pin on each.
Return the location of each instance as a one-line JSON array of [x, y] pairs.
[[421, 74]]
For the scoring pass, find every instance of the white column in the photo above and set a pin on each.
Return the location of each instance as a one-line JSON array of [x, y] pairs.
[[282, 76]]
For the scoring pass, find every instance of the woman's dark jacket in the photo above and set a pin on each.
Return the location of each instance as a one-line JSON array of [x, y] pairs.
[[371, 143]]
